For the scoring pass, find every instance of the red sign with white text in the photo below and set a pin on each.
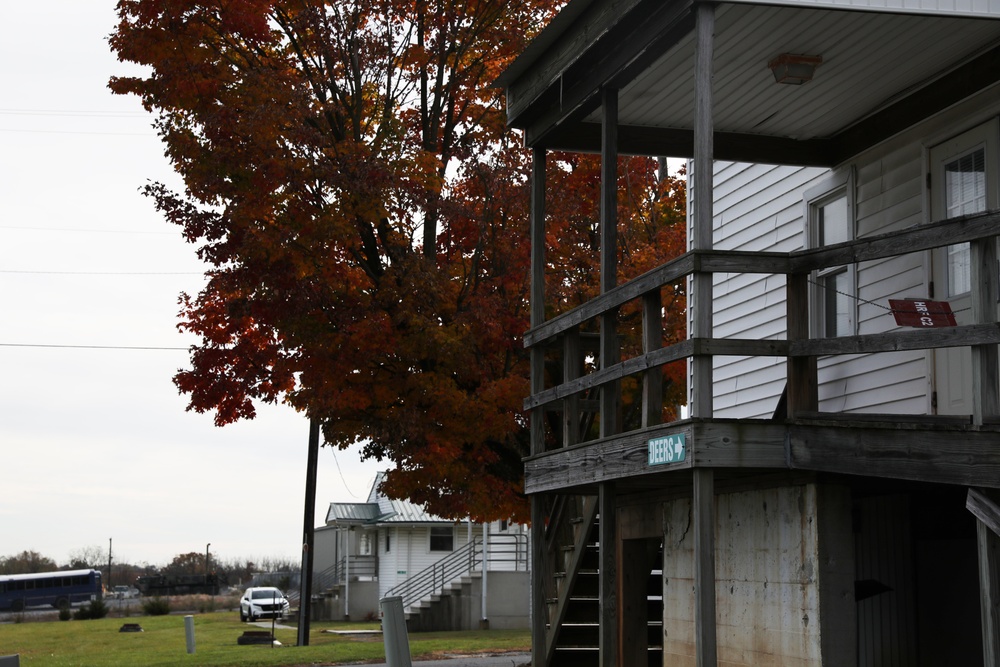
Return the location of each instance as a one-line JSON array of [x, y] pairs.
[[922, 313]]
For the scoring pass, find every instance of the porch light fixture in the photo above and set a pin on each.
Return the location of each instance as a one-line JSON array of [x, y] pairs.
[[794, 69]]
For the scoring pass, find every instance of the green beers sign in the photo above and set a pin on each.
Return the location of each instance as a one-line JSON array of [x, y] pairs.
[[668, 449]]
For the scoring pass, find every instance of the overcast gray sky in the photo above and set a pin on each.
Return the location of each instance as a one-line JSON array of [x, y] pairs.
[[95, 442]]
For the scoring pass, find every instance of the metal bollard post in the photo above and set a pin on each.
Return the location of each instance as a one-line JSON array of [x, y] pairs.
[[397, 643], [189, 632]]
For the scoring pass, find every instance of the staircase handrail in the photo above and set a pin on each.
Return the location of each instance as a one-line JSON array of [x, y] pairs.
[[433, 579], [329, 577], [360, 566]]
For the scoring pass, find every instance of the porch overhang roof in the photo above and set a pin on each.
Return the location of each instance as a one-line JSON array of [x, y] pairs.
[[883, 69]]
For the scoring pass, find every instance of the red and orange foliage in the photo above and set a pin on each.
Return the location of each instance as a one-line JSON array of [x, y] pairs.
[[350, 184]]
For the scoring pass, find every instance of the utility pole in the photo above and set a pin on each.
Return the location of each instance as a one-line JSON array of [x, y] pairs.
[[109, 564], [308, 522]]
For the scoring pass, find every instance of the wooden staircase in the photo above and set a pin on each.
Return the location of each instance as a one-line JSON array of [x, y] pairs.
[[572, 557]]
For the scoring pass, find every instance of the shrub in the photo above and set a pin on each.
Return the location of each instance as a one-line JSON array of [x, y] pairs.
[[96, 609], [156, 606], [65, 614]]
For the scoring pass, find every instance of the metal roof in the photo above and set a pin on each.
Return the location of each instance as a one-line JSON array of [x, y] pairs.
[[381, 510], [352, 512]]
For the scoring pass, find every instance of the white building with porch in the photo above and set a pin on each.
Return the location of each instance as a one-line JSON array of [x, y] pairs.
[[383, 547]]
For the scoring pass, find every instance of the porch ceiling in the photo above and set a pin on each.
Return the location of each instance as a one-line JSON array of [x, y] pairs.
[[881, 71]]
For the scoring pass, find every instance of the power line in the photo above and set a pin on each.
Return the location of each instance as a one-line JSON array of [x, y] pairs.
[[79, 113], [71, 229], [102, 134], [105, 273], [94, 347], [54, 113], [341, 472]]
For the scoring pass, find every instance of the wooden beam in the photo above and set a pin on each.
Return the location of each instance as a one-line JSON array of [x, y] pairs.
[[700, 295], [609, 255], [537, 237], [918, 450], [988, 544], [891, 244], [985, 362], [572, 370], [625, 46], [802, 374], [964, 456], [985, 507], [537, 291], [915, 239], [891, 341], [895, 341], [717, 443], [539, 573], [659, 357], [943, 92], [608, 576], [584, 137], [529, 88], [668, 273], [652, 340], [706, 648]]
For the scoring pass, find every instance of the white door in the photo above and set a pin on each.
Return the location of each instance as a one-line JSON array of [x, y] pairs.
[[963, 180]]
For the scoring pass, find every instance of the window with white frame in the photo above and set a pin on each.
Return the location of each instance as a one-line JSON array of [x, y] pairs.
[[831, 221]]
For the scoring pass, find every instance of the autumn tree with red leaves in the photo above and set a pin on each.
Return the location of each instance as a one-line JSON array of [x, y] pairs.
[[363, 212]]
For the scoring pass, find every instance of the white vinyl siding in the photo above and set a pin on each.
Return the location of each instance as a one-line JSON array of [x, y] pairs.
[[411, 553], [761, 207], [889, 193], [757, 207]]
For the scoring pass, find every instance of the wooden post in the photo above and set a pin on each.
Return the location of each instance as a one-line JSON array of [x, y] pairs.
[[984, 506], [704, 568], [802, 383], [985, 402], [609, 254], [308, 536], [608, 576], [700, 299], [572, 369], [539, 612], [701, 326], [989, 592], [652, 339]]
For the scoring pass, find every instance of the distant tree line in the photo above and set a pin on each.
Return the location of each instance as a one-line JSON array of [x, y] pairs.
[[230, 571]]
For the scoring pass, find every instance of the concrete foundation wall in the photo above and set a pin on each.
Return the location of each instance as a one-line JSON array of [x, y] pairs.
[[507, 600], [363, 602], [768, 567]]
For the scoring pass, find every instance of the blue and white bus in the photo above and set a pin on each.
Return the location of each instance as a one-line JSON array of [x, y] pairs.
[[56, 589]]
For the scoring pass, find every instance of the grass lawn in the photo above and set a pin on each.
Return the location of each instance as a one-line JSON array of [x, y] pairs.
[[98, 643]]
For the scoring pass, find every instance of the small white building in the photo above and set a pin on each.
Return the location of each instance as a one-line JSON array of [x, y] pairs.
[[383, 547]]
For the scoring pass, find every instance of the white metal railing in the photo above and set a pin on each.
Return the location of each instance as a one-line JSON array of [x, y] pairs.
[[504, 552]]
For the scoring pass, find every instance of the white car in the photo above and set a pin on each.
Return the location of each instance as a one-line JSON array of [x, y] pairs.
[[124, 592], [263, 602]]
